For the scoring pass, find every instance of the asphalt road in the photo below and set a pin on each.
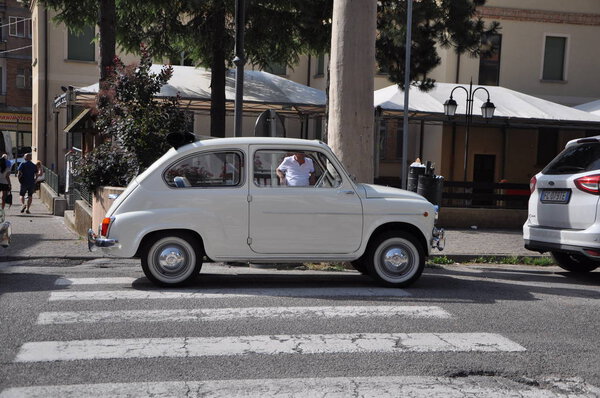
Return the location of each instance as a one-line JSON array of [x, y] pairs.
[[99, 328]]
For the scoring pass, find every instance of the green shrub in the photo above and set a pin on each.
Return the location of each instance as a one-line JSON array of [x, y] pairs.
[[106, 165], [133, 122], [441, 260]]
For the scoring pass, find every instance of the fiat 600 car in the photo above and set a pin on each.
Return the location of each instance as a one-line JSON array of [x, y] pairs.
[[227, 200]]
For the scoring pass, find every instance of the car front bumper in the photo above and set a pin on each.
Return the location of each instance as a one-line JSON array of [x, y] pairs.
[[95, 242]]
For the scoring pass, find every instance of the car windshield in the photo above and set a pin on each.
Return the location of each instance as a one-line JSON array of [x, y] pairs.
[[576, 159]]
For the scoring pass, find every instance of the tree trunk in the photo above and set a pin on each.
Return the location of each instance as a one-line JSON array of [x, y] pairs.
[[352, 64], [217, 79], [106, 22]]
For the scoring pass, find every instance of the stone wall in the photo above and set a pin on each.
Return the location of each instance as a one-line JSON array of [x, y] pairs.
[[101, 203]]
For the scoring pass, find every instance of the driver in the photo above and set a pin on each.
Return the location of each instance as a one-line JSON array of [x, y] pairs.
[[296, 171]]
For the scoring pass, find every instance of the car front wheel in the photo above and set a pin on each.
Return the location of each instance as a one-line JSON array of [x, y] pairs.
[[171, 260], [574, 262], [396, 259]]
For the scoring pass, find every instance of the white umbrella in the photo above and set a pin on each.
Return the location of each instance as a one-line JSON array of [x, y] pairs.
[[262, 91], [512, 105]]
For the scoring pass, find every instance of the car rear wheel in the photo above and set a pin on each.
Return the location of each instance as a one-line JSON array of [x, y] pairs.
[[395, 259], [574, 262], [171, 260]]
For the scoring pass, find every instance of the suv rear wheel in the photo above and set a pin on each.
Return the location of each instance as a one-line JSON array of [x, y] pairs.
[[574, 262]]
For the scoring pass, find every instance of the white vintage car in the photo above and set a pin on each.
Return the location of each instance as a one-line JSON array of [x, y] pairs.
[[221, 200]]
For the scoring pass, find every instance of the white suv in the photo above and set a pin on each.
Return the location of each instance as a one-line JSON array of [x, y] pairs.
[[564, 207]]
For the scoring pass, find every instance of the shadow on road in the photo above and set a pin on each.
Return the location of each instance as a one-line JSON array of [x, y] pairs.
[[449, 284], [28, 282]]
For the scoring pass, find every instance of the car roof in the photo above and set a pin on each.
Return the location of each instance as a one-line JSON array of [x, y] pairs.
[[240, 141], [585, 140]]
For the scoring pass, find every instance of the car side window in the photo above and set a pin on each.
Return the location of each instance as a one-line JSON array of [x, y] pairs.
[[208, 169], [297, 169]]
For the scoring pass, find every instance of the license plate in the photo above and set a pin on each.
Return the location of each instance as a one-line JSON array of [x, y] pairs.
[[555, 196]]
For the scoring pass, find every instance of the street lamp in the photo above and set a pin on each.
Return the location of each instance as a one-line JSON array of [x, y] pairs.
[[487, 111]]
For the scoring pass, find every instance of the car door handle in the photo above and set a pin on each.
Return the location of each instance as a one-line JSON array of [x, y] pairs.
[[350, 192]]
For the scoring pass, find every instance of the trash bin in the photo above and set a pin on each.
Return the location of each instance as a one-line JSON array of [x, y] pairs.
[[431, 188], [414, 171]]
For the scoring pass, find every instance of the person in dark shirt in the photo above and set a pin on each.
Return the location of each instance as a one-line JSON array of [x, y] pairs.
[[27, 173]]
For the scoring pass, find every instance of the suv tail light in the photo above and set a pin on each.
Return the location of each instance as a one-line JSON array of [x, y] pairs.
[[589, 184], [532, 183], [106, 226]]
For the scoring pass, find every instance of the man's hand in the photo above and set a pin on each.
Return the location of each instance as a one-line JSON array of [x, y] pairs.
[[281, 175]]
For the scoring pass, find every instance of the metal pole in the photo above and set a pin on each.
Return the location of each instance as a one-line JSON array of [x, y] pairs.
[[469, 114], [239, 62], [404, 164]]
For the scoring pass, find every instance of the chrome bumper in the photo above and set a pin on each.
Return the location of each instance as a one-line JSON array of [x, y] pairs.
[[5, 234], [94, 242], [438, 238]]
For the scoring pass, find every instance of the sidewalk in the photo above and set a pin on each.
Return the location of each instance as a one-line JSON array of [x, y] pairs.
[[42, 235]]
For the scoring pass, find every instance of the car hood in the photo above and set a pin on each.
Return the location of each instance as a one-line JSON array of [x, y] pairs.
[[379, 191]]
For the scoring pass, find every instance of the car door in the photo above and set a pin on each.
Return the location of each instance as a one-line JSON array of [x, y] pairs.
[[322, 218], [209, 194]]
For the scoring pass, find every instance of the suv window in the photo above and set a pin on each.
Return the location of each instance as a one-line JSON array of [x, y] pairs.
[[576, 159], [207, 169], [266, 163]]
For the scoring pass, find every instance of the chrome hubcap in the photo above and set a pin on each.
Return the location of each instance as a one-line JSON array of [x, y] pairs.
[[172, 259], [396, 260]]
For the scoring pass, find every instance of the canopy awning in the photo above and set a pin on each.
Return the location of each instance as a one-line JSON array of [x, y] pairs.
[[262, 91], [591, 107], [513, 108]]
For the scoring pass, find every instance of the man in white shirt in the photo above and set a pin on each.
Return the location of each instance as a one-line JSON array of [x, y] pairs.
[[296, 171]]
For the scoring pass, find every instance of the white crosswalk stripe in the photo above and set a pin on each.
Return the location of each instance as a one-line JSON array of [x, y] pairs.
[[229, 314], [184, 347], [223, 293], [382, 387], [94, 281], [71, 291]]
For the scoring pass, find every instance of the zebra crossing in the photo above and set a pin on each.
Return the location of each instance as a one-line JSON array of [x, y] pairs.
[[73, 291]]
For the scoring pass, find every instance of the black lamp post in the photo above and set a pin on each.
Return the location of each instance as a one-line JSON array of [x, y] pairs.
[[487, 111], [239, 61]]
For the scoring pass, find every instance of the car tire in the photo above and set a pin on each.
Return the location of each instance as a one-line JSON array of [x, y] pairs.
[[171, 260], [574, 262], [395, 259]]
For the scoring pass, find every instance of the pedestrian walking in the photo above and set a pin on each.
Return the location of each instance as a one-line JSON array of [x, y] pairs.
[[5, 185], [27, 174]]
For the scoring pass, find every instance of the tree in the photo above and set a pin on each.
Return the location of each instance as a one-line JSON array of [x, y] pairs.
[[448, 23], [203, 30], [133, 123], [276, 31], [435, 22], [350, 123]]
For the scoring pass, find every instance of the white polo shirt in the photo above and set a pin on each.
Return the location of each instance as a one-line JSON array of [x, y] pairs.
[[296, 174]]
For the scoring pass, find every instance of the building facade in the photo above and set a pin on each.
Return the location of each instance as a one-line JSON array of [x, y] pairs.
[[15, 78], [545, 48]]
